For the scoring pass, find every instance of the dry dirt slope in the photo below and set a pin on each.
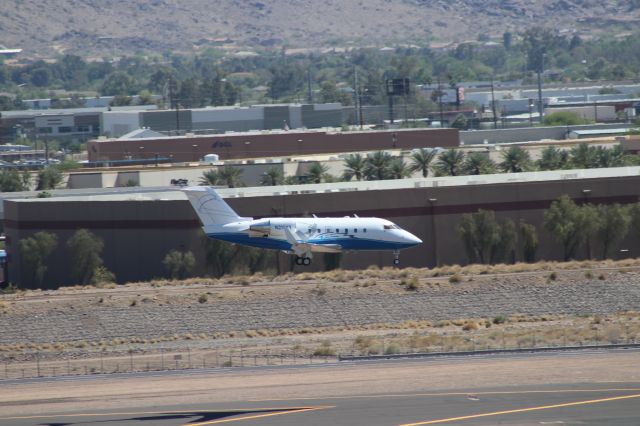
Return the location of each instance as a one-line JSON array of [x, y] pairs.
[[148, 312], [78, 25]]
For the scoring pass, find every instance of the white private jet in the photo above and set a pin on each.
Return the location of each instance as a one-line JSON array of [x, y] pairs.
[[301, 236]]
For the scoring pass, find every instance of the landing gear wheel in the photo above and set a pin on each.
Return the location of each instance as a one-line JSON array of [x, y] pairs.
[[396, 262], [300, 260]]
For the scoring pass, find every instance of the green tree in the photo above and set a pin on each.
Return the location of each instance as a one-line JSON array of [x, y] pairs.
[[179, 265], [317, 173], [421, 160], [398, 169], [460, 122], [12, 181], [613, 227], [230, 176], [272, 176], [478, 163], [219, 256], [117, 83], [354, 167], [552, 158], [49, 178], [584, 156], [565, 221], [503, 250], [210, 178], [449, 163], [34, 252], [515, 160], [563, 118], [41, 77], [85, 254], [529, 242], [377, 166], [480, 233]]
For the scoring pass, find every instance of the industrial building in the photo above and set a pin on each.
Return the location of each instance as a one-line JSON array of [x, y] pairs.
[[139, 226], [268, 144]]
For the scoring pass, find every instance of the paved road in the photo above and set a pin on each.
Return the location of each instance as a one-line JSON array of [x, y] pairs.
[[559, 404]]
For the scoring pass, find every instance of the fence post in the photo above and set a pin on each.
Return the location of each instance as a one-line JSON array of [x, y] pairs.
[[38, 363], [101, 361], [131, 359], [68, 367], [161, 358], [189, 356]]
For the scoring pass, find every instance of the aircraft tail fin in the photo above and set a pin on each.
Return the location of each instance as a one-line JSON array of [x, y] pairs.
[[210, 207]]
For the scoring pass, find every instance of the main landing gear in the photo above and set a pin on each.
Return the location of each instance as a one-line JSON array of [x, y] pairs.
[[303, 260], [396, 258]]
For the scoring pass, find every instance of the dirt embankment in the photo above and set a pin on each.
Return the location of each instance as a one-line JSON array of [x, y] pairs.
[[338, 305]]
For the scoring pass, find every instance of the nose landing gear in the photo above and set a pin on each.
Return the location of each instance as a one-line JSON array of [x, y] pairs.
[[396, 258]]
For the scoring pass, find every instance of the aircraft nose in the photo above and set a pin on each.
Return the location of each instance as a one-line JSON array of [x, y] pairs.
[[412, 239]]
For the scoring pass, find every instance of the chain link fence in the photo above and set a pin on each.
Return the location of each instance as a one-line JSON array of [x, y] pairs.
[[53, 363]]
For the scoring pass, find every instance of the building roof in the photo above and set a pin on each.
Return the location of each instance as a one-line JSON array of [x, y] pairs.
[[142, 134], [173, 193]]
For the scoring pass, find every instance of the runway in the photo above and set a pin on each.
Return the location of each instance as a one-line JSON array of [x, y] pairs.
[[561, 403]]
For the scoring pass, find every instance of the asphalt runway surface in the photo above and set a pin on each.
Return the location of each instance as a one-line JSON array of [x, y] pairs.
[[558, 404]]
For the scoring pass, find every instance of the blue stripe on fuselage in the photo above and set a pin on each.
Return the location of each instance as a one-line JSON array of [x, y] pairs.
[[347, 242]]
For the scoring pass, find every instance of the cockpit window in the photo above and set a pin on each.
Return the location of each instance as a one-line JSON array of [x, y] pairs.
[[391, 227]]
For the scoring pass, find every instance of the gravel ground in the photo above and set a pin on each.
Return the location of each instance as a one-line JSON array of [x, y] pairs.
[[88, 315]]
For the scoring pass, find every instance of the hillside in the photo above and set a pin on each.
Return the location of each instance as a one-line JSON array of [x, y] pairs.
[[105, 27]]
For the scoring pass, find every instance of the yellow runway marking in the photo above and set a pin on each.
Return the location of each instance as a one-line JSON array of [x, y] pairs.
[[259, 416], [523, 410], [404, 395]]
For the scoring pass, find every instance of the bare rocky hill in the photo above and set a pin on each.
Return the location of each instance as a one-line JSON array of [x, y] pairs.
[[105, 27]]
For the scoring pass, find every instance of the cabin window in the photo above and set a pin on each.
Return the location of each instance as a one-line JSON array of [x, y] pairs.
[[364, 230], [346, 230], [355, 230], [337, 230]]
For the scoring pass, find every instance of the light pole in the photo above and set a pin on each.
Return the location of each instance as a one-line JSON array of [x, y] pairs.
[[530, 112], [299, 146]]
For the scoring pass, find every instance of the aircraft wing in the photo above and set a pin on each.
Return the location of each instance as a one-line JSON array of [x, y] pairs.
[[301, 246]]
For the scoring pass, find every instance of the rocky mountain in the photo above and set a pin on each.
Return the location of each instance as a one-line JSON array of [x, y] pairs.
[[105, 27]]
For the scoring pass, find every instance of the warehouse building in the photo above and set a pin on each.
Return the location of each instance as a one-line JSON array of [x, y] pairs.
[[268, 144], [140, 228]]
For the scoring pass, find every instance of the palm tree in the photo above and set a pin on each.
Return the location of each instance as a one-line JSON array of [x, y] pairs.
[[478, 163], [421, 160], [449, 163], [210, 177], [272, 176], [398, 169], [552, 158], [317, 172], [515, 160], [614, 157], [377, 166], [584, 156], [354, 167], [230, 176]]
